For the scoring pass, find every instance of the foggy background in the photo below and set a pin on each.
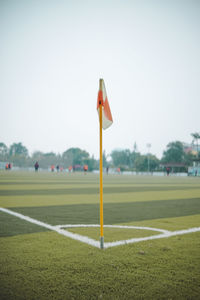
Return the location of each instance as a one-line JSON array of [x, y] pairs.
[[53, 53]]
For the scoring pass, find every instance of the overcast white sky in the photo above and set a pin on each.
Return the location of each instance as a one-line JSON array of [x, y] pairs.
[[52, 54]]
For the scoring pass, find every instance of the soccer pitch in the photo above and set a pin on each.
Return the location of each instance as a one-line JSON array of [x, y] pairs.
[[58, 262]]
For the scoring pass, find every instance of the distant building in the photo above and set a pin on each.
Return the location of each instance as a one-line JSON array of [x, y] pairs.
[[190, 148], [193, 170]]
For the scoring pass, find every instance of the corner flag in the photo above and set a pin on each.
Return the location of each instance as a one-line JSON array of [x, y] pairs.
[[105, 121], [106, 113]]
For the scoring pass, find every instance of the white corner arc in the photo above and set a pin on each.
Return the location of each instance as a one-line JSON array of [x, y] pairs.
[[84, 239]]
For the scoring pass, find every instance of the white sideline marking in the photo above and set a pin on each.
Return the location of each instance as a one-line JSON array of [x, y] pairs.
[[152, 237], [69, 234], [92, 242]]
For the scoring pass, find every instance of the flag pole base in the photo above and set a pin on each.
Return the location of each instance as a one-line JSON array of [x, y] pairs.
[[101, 242]]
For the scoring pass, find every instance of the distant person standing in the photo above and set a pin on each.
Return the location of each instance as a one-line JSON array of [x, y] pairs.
[[52, 168], [168, 170], [85, 168], [36, 166], [57, 168]]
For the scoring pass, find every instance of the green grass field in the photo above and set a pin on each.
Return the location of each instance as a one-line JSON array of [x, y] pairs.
[[37, 263]]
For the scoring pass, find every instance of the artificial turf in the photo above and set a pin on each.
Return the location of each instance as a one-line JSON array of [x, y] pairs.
[[40, 264]]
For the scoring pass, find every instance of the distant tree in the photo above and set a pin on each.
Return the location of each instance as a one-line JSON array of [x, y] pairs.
[[196, 137], [50, 154], [92, 163], [189, 158], [67, 158], [154, 162], [3, 151], [45, 160], [133, 156], [75, 156], [121, 158], [37, 156], [135, 148], [174, 153], [49, 158], [18, 149], [141, 163], [18, 155]]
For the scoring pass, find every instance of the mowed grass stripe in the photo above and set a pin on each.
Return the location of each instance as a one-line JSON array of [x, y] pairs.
[[8, 178], [29, 187], [30, 183], [171, 224], [16, 176], [114, 213], [52, 200], [91, 190], [96, 182], [88, 185]]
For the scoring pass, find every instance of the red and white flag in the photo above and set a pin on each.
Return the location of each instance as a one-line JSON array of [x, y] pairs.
[[106, 113]]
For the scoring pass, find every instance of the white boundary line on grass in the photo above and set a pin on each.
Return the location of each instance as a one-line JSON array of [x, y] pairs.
[[66, 233], [92, 242], [112, 226]]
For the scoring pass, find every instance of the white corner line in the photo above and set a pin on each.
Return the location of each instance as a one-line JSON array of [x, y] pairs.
[[95, 243], [112, 226], [152, 237], [66, 233], [26, 218]]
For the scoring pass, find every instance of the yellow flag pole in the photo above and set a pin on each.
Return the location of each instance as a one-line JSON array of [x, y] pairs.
[[101, 173]]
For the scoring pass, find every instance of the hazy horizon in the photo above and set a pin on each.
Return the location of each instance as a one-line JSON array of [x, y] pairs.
[[54, 52]]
